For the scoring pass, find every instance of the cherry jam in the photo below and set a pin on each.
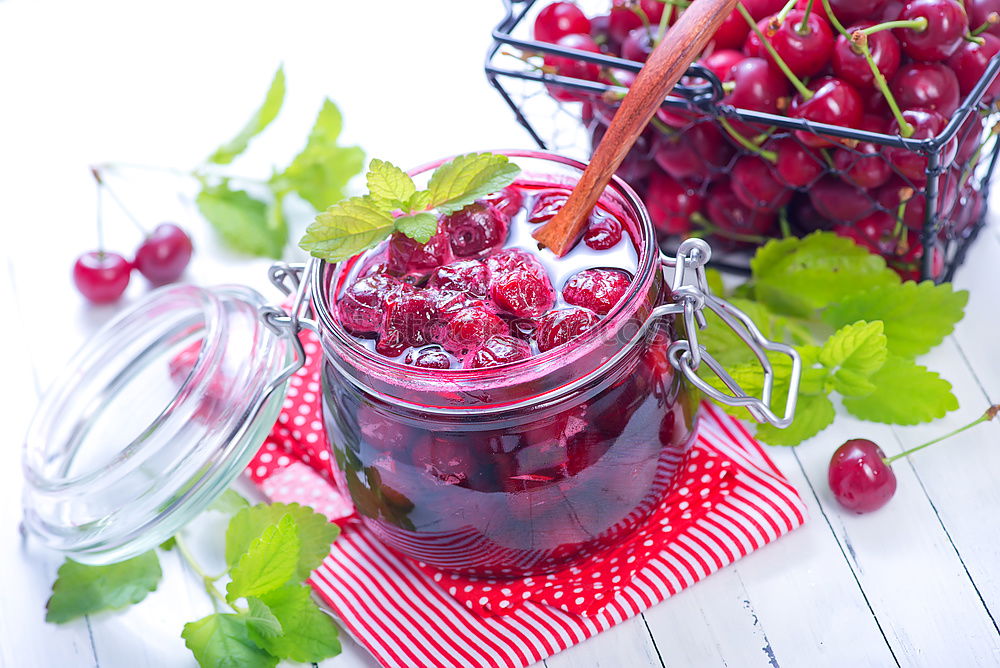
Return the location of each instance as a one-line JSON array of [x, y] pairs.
[[494, 410]]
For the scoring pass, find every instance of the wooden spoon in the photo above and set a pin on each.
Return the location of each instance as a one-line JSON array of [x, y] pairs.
[[664, 68]]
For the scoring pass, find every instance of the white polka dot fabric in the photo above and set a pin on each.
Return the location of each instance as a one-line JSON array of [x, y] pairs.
[[729, 500]]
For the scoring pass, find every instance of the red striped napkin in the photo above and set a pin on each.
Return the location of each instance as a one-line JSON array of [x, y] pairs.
[[728, 500]]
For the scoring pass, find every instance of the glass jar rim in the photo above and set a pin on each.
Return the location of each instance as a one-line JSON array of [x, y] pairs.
[[649, 263]]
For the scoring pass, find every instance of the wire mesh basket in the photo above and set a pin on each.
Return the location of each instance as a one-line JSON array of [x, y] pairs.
[[698, 165]]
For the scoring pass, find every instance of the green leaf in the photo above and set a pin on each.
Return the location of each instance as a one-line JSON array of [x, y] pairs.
[[853, 354], [813, 414], [241, 220], [322, 170], [798, 276], [714, 279], [418, 201], [223, 641], [267, 112], [268, 563], [231, 502], [389, 183], [310, 635], [905, 393], [168, 544], [724, 344], [347, 228], [315, 533], [461, 181], [81, 590], [260, 618], [917, 317], [419, 226]]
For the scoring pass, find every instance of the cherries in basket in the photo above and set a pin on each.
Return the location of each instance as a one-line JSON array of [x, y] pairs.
[[880, 66]]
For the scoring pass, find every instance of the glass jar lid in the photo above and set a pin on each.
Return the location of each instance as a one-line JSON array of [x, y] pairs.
[[153, 419]]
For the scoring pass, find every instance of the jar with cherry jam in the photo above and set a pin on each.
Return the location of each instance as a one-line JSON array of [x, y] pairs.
[[495, 410]]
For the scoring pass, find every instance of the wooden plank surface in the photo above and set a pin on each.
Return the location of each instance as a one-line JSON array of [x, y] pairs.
[[915, 584]]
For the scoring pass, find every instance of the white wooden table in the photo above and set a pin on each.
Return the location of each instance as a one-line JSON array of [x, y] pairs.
[[916, 584]]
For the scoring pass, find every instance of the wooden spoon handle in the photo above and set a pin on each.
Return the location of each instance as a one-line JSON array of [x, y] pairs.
[[664, 68]]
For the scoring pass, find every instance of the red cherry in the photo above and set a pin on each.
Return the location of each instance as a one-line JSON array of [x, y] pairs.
[[721, 61], [806, 53], [755, 185], [498, 350], [929, 86], [979, 13], [408, 319], [603, 233], [969, 64], [558, 20], [946, 26], [834, 102], [596, 289], [469, 276], [726, 210], [840, 201], [572, 67], [926, 124], [362, 305], [164, 254], [101, 277], [732, 32], [407, 257], [475, 230], [524, 293], [865, 165], [797, 166], [623, 19], [698, 150], [876, 232], [851, 66], [757, 85], [639, 43], [508, 200], [671, 204], [428, 358], [859, 477], [470, 328], [849, 11], [562, 325]]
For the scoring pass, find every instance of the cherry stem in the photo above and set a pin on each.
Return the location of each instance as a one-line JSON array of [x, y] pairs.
[[918, 24], [786, 228], [780, 17], [974, 158], [663, 127], [803, 28], [859, 42], [661, 31], [969, 37], [100, 211], [207, 581], [990, 413], [641, 13], [96, 171], [770, 156], [778, 60], [990, 21]]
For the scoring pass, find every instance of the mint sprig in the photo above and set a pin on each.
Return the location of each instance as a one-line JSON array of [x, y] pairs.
[[267, 613], [393, 204], [801, 288]]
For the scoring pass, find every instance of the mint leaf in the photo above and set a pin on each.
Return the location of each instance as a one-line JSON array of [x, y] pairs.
[[852, 355], [267, 112], [315, 533], [346, 229], [798, 276], [729, 349], [268, 563], [241, 220], [418, 201], [321, 171], [813, 414], [260, 618], [917, 317], [223, 641], [459, 182], [309, 634], [905, 393], [81, 590], [419, 226], [230, 503], [389, 183]]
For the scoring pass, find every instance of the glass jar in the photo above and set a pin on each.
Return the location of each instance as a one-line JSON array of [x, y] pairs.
[[511, 470], [524, 468]]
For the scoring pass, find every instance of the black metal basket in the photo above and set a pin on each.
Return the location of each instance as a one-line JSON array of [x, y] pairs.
[[953, 197]]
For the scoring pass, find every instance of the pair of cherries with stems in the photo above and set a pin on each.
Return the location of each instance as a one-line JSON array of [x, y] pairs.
[[861, 477], [102, 276]]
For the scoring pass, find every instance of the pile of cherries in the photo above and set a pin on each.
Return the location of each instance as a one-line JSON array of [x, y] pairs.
[[811, 60], [464, 300], [102, 276]]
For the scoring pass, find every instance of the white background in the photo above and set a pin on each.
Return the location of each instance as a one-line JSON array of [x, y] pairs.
[[86, 82]]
